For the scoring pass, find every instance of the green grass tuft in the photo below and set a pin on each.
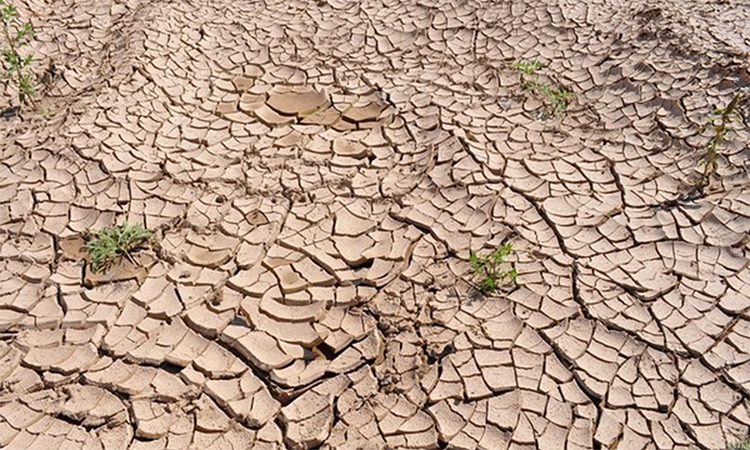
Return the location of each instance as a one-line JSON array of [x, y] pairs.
[[742, 445], [529, 67], [108, 244]]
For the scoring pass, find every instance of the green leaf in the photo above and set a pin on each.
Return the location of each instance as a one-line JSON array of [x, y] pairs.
[[529, 67], [507, 248], [504, 250], [475, 261], [489, 285]]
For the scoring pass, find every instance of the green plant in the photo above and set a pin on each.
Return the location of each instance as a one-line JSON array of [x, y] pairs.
[[529, 67], [741, 445], [15, 66], [720, 121], [108, 244], [492, 271], [556, 100]]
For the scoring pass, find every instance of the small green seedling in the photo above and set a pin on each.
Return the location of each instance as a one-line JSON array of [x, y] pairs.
[[108, 244], [556, 100], [529, 67], [14, 65], [720, 121], [491, 271], [742, 445]]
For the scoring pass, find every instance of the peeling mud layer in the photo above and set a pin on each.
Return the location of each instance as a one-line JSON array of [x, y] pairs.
[[316, 174]]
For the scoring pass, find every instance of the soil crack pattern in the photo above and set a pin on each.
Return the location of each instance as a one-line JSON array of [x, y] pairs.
[[317, 178]]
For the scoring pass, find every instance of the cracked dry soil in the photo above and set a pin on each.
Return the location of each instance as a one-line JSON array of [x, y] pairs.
[[316, 174]]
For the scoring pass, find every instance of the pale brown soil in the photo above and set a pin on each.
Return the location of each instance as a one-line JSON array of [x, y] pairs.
[[316, 174]]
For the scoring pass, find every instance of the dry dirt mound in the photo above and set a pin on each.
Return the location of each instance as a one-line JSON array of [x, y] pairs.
[[317, 174]]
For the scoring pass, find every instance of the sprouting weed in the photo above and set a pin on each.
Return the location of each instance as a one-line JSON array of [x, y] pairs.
[[15, 66], [720, 120], [491, 271], [555, 100], [108, 244], [529, 67], [741, 445]]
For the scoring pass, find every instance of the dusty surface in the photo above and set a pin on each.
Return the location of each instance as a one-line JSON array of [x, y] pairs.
[[317, 173]]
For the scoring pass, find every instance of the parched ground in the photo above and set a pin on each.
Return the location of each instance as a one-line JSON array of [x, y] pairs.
[[316, 174]]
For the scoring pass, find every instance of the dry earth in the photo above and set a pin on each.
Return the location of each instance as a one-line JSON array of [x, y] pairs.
[[316, 173]]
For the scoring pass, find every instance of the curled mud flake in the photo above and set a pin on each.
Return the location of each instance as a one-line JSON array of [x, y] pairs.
[[297, 101]]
